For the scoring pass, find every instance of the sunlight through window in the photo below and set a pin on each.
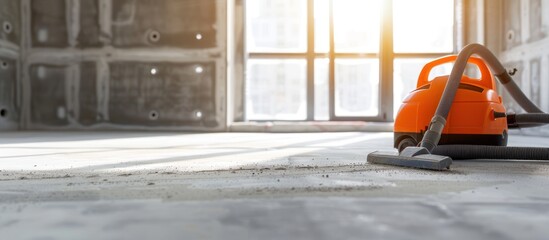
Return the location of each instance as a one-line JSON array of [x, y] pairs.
[[290, 76]]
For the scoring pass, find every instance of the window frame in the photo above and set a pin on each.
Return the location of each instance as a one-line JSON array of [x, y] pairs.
[[386, 57]]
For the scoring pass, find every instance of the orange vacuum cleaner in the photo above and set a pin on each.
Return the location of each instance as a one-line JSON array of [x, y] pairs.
[[459, 117], [477, 117]]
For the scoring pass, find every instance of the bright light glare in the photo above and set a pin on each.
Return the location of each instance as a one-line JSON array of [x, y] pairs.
[[357, 25], [276, 89], [276, 25], [322, 26], [423, 25], [356, 87]]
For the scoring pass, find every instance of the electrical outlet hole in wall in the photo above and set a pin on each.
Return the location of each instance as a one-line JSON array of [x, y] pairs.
[[510, 35], [154, 36], [7, 27], [153, 115]]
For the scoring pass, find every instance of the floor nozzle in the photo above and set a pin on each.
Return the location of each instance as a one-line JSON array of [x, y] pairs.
[[415, 157]]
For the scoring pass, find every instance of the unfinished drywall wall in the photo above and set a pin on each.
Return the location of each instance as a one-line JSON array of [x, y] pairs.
[[124, 64], [522, 42], [10, 39]]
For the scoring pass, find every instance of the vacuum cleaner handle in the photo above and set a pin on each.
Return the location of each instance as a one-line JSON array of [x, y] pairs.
[[486, 80]]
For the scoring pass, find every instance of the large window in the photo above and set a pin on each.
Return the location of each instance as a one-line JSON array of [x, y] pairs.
[[323, 59]]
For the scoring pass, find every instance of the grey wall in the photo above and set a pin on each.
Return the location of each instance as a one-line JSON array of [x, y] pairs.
[[519, 32], [10, 52], [123, 64]]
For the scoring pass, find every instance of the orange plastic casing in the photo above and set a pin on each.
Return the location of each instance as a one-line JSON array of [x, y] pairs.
[[477, 108]]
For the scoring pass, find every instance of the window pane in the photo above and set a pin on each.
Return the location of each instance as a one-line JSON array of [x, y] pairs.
[[322, 89], [471, 70], [276, 25], [322, 26], [406, 72], [356, 25], [356, 87], [276, 90], [423, 25]]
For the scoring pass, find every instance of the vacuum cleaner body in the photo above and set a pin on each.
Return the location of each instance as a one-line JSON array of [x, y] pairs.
[[477, 115]]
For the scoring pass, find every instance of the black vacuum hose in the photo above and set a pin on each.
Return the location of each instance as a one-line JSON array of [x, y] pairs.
[[532, 118], [460, 152], [527, 120]]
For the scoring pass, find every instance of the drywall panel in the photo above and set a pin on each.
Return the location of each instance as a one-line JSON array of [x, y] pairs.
[[534, 90], [89, 31], [511, 23], [10, 21], [49, 23], [9, 115], [537, 30], [162, 94], [49, 105], [87, 95], [167, 23], [535, 81]]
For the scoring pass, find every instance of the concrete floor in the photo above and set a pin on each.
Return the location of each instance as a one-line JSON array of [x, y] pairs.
[[126, 185]]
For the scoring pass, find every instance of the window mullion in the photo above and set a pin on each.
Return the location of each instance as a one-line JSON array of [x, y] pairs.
[[386, 57], [310, 61], [331, 75]]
